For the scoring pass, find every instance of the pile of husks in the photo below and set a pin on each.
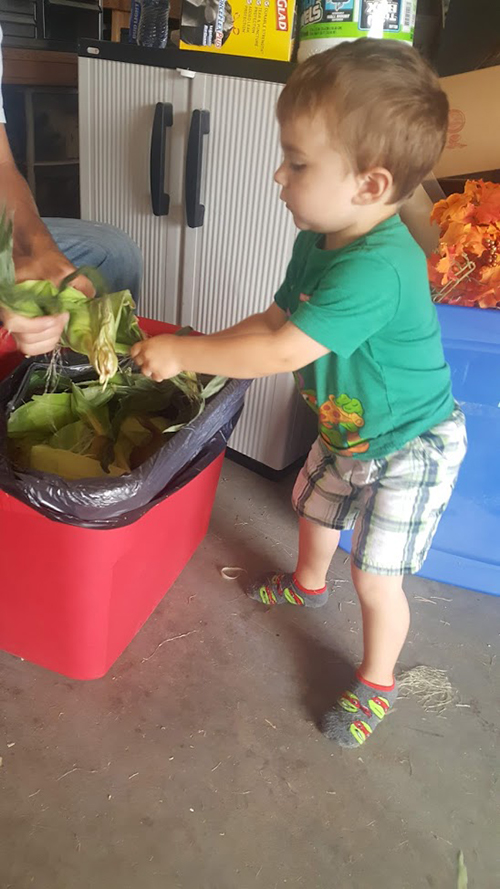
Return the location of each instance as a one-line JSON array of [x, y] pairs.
[[85, 430], [95, 427]]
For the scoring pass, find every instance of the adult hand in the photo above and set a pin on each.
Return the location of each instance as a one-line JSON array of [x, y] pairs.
[[34, 336], [36, 257], [50, 265]]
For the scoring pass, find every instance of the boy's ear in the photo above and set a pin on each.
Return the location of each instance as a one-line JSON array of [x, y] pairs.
[[374, 187]]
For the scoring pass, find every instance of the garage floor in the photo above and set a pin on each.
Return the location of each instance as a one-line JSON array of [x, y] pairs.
[[196, 763]]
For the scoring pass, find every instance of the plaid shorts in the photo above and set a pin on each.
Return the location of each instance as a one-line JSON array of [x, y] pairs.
[[394, 504]]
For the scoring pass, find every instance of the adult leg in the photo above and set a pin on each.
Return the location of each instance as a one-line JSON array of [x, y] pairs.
[[104, 247]]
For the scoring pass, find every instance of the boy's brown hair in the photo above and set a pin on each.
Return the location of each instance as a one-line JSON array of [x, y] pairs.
[[382, 102]]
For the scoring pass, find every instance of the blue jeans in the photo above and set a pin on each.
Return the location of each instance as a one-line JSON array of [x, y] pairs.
[[104, 247]]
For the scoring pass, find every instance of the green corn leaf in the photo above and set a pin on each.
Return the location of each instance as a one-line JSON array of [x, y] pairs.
[[128, 331], [101, 328], [7, 271], [462, 878], [213, 387], [91, 406], [44, 413], [93, 275], [76, 437]]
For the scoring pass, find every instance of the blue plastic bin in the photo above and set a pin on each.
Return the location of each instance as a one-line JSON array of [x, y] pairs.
[[466, 549]]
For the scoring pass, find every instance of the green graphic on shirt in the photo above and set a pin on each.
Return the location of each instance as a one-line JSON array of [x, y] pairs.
[[340, 419]]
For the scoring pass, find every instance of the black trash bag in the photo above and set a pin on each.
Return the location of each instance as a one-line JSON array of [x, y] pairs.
[[119, 501]]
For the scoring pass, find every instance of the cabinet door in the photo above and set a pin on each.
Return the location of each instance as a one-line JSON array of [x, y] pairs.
[[117, 110], [236, 259]]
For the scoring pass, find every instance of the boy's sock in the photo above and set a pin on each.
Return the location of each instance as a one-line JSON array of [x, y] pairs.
[[358, 712], [284, 589]]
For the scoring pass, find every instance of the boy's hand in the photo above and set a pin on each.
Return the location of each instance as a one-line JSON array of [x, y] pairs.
[[157, 357], [245, 356]]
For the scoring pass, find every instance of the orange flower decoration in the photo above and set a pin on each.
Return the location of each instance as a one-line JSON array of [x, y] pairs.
[[467, 262]]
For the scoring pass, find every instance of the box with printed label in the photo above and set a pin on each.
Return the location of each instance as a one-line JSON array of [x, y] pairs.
[[474, 126], [258, 28]]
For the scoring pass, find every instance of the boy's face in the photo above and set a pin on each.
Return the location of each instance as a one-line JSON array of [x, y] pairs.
[[317, 184]]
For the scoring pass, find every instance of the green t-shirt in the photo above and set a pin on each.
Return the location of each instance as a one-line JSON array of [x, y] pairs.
[[385, 380]]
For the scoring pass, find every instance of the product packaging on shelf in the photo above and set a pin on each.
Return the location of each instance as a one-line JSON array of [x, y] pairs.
[[262, 29], [325, 23]]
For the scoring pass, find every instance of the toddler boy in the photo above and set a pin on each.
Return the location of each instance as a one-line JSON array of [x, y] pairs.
[[361, 126]]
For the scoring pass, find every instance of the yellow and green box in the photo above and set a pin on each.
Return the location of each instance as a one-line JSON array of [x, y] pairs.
[[260, 29]]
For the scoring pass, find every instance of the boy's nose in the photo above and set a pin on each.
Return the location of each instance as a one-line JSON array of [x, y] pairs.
[[279, 176]]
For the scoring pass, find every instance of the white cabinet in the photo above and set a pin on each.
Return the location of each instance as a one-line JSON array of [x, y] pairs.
[[221, 248], [117, 107]]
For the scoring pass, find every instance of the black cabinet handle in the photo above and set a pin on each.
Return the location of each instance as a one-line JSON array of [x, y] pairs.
[[164, 118], [200, 126]]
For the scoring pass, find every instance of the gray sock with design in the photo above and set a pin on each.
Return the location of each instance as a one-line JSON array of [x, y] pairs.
[[358, 712], [284, 589]]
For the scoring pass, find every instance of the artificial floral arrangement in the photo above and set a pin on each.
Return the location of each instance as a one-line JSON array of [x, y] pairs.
[[465, 269]]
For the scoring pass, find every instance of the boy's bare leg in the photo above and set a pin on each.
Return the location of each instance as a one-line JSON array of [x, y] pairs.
[[317, 546], [386, 619], [307, 585]]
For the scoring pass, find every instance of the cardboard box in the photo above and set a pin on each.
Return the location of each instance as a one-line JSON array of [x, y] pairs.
[[474, 130], [261, 29], [472, 146], [416, 214]]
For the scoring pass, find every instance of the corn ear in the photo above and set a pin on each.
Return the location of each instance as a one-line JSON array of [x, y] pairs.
[[103, 336]]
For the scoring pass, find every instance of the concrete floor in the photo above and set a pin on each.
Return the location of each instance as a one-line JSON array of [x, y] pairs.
[[198, 764]]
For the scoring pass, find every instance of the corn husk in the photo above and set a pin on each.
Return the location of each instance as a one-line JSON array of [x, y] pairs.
[[462, 877], [69, 465], [97, 428], [43, 414], [101, 328], [76, 437], [92, 431]]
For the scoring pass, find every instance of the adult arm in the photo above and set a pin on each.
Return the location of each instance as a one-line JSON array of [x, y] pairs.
[[36, 257]]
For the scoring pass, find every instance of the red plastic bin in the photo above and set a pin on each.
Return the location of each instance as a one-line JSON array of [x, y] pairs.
[[71, 599]]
